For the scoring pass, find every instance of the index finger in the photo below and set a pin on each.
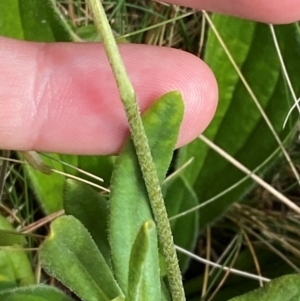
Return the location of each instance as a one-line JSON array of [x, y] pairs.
[[267, 11]]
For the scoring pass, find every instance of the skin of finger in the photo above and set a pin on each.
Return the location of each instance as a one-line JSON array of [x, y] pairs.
[[62, 97], [267, 11]]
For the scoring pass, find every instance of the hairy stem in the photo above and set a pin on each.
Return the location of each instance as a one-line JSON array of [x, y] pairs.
[[140, 141]]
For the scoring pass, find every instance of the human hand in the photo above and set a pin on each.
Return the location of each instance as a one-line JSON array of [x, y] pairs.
[[62, 97]]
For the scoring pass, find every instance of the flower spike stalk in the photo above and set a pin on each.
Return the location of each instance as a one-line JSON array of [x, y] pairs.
[[140, 141]]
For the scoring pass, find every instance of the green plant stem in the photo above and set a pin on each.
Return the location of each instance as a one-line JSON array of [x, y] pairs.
[[140, 141]]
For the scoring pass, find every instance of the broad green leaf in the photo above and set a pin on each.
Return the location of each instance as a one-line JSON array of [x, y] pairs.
[[238, 126], [100, 166], [271, 264], [10, 22], [40, 22], [138, 279], [31, 20], [15, 268], [88, 206], [129, 200], [34, 293], [49, 188], [70, 255], [10, 238], [180, 197], [88, 33], [286, 288]]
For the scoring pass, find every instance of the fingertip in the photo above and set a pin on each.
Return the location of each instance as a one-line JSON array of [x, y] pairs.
[[199, 89]]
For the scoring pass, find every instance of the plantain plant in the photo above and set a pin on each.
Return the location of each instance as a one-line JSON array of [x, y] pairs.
[[119, 247]]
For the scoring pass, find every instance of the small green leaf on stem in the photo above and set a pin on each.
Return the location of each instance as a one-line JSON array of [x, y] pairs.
[[138, 282]]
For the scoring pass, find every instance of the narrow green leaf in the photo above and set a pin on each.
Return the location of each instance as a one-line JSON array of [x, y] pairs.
[[118, 299], [34, 293], [15, 268], [286, 288], [70, 255], [180, 197], [238, 126], [139, 285], [129, 201], [165, 295], [88, 206]]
